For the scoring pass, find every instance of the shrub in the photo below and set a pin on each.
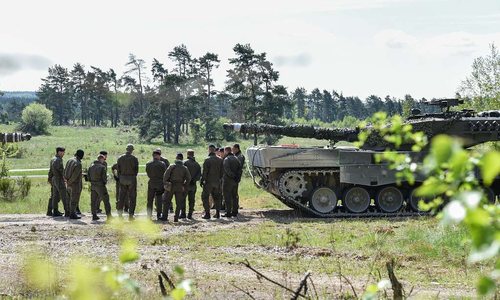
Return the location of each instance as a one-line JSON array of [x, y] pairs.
[[36, 119]]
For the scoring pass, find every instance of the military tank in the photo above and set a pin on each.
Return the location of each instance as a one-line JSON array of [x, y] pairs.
[[345, 181]]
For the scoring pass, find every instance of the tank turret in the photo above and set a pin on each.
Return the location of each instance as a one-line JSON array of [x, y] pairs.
[[342, 181], [14, 137]]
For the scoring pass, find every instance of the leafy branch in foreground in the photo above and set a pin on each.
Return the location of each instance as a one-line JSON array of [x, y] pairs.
[[457, 179]]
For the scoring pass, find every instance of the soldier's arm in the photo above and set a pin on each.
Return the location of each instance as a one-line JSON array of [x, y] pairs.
[[226, 164], [197, 174], [104, 176], [148, 169], [166, 176], [187, 176], [136, 166], [204, 173], [89, 173], [59, 168]]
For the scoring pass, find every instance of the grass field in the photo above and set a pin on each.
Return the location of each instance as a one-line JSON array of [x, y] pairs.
[[429, 257]]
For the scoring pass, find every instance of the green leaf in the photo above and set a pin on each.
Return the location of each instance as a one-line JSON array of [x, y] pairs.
[[442, 148], [490, 166], [178, 294], [485, 286], [129, 251]]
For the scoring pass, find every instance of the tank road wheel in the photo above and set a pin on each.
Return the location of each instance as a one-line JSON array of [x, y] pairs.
[[292, 184], [323, 200], [414, 200], [356, 199], [389, 199]]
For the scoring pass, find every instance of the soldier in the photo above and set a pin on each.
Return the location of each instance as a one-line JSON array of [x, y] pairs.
[[211, 182], [155, 170], [195, 172], [105, 154], [98, 178], [175, 181], [50, 211], [241, 158], [56, 173], [73, 177], [114, 170], [230, 179], [167, 163], [128, 167]]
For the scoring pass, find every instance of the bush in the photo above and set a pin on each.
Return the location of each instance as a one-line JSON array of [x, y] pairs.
[[14, 189], [36, 119]]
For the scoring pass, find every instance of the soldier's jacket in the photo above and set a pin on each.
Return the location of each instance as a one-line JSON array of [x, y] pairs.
[[97, 173], [241, 158], [194, 169], [165, 161], [73, 172], [56, 170], [127, 165], [212, 170], [232, 168], [178, 175], [155, 170], [113, 169]]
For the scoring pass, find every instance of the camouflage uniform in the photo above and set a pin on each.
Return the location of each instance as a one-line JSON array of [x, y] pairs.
[[56, 173], [211, 182], [98, 178], [179, 176], [230, 180], [73, 176], [195, 172], [128, 167], [236, 206], [155, 170], [169, 204]]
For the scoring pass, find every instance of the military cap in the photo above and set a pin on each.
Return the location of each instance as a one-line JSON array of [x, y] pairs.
[[130, 147], [211, 146], [79, 153], [104, 152], [179, 156], [237, 146], [58, 149], [158, 150]]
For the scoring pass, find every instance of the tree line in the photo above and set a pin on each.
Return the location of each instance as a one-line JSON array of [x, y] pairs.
[[170, 98]]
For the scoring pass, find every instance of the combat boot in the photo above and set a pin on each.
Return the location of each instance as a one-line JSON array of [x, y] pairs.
[[57, 214], [190, 216], [95, 217], [66, 214], [74, 217], [49, 213], [206, 216], [176, 219], [217, 215], [182, 216]]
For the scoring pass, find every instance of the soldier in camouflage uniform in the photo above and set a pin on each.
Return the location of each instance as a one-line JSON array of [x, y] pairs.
[[195, 172], [73, 177], [211, 182], [230, 180], [128, 168], [114, 170], [167, 163], [177, 175], [56, 173], [155, 170], [241, 158], [98, 178], [104, 153], [51, 212]]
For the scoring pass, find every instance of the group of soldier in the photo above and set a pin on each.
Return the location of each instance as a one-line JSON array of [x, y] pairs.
[[219, 179]]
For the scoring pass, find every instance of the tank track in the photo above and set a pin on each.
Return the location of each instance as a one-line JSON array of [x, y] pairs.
[[339, 211]]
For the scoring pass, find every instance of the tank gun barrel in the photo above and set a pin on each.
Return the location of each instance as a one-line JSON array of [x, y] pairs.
[[303, 131], [14, 137]]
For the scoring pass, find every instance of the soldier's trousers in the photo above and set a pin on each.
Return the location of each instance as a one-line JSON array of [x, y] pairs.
[[236, 204], [98, 192], [59, 192], [49, 205], [215, 191], [191, 197], [156, 195], [128, 191], [74, 192], [230, 192], [179, 200]]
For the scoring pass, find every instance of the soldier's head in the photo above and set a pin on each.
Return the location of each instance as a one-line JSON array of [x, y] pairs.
[[130, 148], [158, 150], [236, 148], [221, 152], [101, 158], [60, 151], [190, 153], [79, 153], [211, 148], [156, 154], [227, 151], [179, 156], [105, 153]]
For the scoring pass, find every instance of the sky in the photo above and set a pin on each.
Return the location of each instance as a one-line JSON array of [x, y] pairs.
[[358, 47]]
